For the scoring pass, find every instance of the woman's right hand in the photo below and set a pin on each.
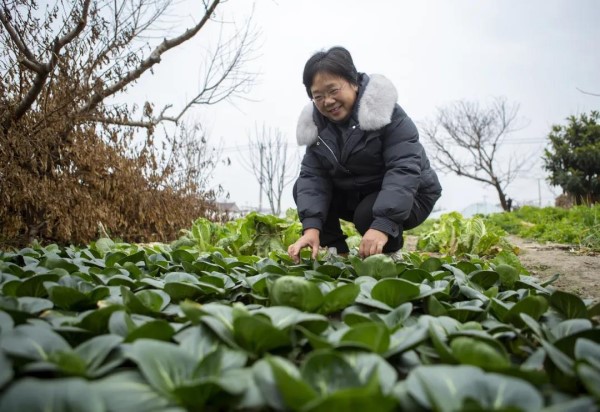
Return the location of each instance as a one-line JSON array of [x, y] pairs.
[[310, 238]]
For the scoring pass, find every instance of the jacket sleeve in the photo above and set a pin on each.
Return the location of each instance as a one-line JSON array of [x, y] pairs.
[[402, 154], [313, 190]]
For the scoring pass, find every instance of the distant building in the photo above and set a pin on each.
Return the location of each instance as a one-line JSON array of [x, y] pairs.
[[480, 208], [230, 209]]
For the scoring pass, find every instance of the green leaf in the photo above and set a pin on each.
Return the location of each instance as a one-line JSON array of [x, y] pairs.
[[396, 317], [448, 388], [34, 286], [283, 317], [103, 245], [588, 351], [569, 305], [198, 340], [559, 359], [339, 298], [95, 351], [376, 266], [363, 398], [96, 321], [69, 298], [465, 313], [590, 377], [53, 261], [534, 306], [181, 255], [499, 309], [181, 290], [35, 395], [594, 310], [133, 258], [145, 302], [434, 307], [329, 270], [407, 338], [296, 292], [484, 278], [508, 275], [477, 353], [33, 342], [394, 292], [431, 264], [439, 339], [68, 362], [373, 336], [373, 304], [23, 307], [569, 327], [532, 324], [367, 364], [127, 391], [6, 323], [295, 392], [258, 335], [573, 405], [416, 275], [6, 370], [133, 327], [327, 371], [164, 365], [262, 375]]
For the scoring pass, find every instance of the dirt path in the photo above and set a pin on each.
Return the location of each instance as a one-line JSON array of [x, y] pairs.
[[579, 274]]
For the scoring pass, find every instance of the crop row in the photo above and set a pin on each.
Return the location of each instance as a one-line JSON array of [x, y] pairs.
[[161, 328]]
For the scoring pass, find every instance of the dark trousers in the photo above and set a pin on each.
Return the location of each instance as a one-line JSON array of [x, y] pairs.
[[359, 210]]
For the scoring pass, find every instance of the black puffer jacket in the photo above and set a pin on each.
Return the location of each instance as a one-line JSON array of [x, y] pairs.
[[381, 153]]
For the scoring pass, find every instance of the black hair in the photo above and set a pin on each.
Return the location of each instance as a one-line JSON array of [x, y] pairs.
[[336, 61]]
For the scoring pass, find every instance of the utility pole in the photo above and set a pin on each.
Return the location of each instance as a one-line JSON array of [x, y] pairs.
[[539, 193], [261, 150]]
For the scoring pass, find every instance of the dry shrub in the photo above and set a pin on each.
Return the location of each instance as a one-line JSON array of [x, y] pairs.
[[59, 192], [71, 159]]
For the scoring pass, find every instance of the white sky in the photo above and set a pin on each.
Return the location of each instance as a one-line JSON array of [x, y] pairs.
[[534, 53]]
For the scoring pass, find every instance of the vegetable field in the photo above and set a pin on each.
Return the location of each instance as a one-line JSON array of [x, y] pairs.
[[222, 319]]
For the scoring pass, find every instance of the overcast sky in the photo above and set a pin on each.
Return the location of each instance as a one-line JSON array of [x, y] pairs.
[[534, 53]]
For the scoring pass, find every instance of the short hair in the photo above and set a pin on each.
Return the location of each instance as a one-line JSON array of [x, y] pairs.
[[336, 61]]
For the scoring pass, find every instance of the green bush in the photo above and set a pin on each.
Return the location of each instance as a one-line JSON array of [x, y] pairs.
[[579, 225]]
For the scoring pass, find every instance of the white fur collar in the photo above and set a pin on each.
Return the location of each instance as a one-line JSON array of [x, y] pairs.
[[375, 109]]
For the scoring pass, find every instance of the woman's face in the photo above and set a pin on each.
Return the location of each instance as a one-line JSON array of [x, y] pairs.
[[333, 96]]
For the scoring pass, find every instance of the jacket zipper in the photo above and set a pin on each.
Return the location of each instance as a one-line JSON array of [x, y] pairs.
[[333, 154]]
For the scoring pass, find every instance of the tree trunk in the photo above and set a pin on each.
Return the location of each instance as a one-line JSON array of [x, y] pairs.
[[505, 202]]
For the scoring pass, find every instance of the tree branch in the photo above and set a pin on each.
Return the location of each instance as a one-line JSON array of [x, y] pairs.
[[588, 93], [147, 63], [42, 69]]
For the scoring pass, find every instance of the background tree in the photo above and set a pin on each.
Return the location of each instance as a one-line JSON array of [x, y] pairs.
[[271, 164], [466, 139], [71, 157], [573, 158]]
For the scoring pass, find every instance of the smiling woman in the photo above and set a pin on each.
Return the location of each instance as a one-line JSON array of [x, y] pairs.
[[363, 163]]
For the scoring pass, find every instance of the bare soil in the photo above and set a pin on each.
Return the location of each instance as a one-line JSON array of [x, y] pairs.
[[579, 274]]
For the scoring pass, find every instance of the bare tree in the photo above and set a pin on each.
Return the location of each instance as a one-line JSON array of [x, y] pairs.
[[65, 142], [191, 161], [103, 38], [467, 138], [273, 167], [588, 93]]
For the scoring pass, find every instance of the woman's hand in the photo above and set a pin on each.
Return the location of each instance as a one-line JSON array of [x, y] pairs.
[[310, 238], [372, 243]]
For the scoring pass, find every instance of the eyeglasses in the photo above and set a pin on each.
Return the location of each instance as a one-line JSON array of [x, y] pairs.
[[333, 92]]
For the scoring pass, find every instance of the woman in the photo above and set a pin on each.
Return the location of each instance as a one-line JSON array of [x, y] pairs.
[[363, 161]]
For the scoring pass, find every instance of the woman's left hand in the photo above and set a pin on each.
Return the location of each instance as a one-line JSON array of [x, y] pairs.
[[372, 243]]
